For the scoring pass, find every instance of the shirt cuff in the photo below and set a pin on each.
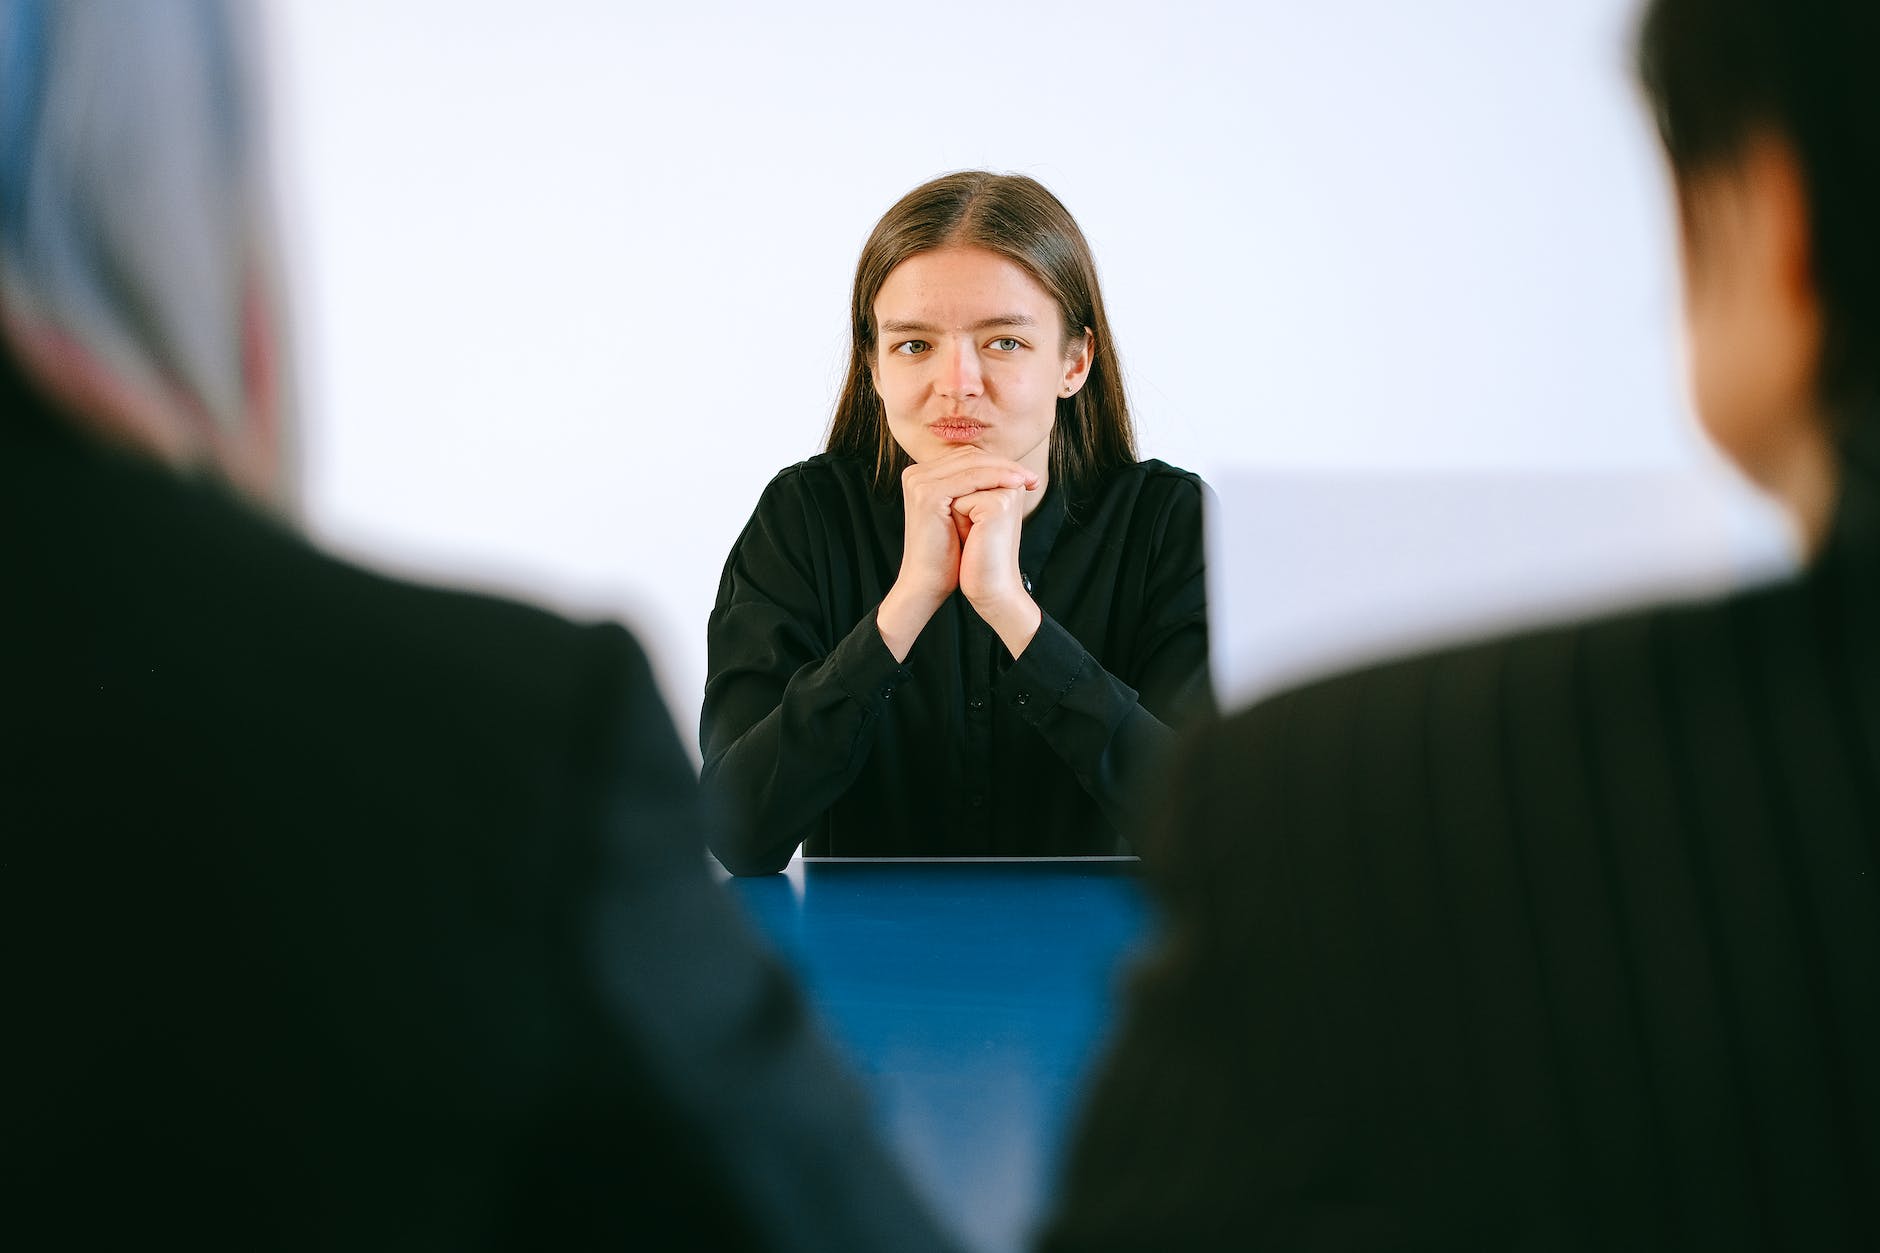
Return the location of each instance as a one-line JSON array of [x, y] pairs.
[[864, 667], [1053, 671]]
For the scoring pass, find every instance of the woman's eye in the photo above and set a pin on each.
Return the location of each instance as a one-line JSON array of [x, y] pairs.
[[912, 348], [1006, 345]]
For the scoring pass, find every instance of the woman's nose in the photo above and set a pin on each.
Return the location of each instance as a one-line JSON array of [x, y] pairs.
[[960, 375]]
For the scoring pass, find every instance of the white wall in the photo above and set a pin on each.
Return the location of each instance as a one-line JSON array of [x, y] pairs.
[[571, 277]]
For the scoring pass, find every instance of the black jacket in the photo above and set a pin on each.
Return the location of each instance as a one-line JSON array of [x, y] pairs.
[[1570, 940], [815, 736], [347, 914]]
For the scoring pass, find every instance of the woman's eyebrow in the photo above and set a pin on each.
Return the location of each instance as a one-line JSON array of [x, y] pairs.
[[984, 324]]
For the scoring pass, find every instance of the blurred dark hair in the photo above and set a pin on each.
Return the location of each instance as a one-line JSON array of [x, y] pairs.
[[1017, 218], [1717, 72]]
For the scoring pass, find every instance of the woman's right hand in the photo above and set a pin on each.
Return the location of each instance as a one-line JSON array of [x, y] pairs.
[[930, 552]]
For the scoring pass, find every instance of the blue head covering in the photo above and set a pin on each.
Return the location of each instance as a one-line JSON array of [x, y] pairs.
[[137, 280]]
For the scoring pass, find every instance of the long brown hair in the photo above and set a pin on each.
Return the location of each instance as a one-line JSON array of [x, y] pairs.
[[1017, 218]]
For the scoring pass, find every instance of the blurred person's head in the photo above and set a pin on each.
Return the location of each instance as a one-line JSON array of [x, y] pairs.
[[1774, 144], [953, 257], [137, 281]]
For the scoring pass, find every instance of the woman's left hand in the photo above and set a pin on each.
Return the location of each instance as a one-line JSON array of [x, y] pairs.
[[990, 524]]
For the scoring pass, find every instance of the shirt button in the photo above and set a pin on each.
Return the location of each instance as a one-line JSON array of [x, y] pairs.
[[975, 704], [1023, 697], [979, 800], [887, 693]]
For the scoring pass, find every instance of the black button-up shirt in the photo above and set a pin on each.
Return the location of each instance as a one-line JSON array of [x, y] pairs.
[[814, 735]]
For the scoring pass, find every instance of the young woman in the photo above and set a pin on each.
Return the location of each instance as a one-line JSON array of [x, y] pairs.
[[968, 627]]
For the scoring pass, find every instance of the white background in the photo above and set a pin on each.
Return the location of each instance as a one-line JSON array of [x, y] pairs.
[[570, 278]]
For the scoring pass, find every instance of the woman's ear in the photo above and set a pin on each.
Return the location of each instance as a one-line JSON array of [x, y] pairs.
[[1077, 363], [1753, 319], [1773, 174]]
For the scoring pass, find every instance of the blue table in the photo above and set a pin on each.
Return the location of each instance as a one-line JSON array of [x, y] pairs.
[[973, 997]]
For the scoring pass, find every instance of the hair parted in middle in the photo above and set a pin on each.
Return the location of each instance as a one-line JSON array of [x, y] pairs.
[[1017, 218]]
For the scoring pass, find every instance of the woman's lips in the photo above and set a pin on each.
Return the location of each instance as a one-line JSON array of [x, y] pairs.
[[956, 430]]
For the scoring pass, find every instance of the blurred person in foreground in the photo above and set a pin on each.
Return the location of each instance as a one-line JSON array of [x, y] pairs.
[[342, 913], [1570, 940]]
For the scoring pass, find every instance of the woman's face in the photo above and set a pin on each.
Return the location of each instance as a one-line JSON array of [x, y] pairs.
[[970, 350]]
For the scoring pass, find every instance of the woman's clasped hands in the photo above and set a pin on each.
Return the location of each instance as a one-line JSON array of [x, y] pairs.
[[965, 511]]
